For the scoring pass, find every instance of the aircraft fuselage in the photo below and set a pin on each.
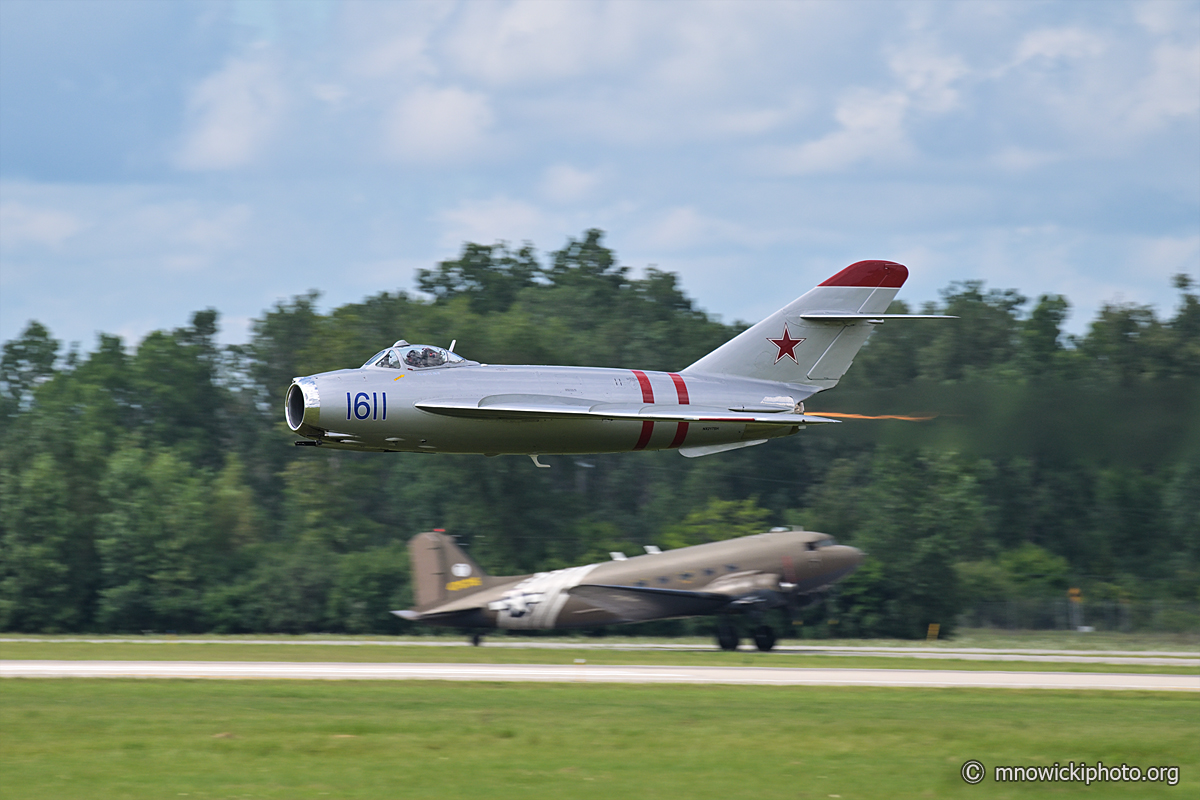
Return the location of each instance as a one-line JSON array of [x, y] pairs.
[[749, 573], [377, 408]]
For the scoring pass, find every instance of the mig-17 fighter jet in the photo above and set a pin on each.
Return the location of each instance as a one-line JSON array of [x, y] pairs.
[[425, 399], [783, 568]]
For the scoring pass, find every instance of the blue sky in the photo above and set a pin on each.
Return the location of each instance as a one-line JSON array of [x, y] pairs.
[[159, 158]]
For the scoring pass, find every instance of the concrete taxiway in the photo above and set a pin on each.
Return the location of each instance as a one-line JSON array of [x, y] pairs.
[[589, 673]]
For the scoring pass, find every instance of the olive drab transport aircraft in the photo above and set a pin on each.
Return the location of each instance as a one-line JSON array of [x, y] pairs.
[[784, 568], [425, 399]]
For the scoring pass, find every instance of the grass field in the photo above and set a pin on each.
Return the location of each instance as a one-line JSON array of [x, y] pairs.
[[226, 650], [1065, 640], [300, 739]]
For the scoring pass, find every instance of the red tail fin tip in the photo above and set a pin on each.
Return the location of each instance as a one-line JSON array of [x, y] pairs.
[[871, 274]]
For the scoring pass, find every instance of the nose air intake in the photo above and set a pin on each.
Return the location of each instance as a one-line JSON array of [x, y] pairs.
[[303, 405]]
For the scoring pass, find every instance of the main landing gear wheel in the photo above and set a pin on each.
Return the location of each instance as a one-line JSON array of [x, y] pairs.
[[764, 637], [727, 637]]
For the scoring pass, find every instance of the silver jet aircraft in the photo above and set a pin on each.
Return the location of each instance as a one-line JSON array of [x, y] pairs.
[[426, 399], [783, 568]]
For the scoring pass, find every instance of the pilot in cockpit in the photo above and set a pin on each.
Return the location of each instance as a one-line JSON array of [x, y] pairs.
[[403, 355], [425, 357]]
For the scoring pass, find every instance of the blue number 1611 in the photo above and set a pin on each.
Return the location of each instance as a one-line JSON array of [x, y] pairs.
[[363, 405]]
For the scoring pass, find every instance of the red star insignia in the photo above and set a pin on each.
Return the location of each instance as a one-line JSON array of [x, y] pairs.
[[786, 345]]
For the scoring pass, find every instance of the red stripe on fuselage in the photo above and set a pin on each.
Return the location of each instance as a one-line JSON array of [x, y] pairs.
[[681, 429], [680, 388], [680, 435], [647, 389], [647, 397], [644, 439]]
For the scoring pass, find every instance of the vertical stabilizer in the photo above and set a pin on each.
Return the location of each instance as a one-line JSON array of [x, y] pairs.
[[441, 570], [814, 339]]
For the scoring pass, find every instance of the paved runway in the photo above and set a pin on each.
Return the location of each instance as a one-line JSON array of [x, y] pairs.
[[587, 673], [1162, 658]]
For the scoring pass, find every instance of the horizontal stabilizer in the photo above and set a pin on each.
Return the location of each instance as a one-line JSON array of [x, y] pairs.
[[551, 407], [836, 317], [463, 617], [639, 603]]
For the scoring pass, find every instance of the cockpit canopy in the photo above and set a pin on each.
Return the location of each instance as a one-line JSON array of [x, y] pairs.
[[403, 355]]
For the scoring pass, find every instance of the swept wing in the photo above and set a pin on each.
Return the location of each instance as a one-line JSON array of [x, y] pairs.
[[532, 406]]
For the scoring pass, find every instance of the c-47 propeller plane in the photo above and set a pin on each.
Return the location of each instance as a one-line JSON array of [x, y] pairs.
[[783, 568], [426, 399]]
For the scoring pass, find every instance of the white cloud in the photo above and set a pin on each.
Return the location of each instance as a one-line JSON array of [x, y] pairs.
[[1164, 256], [185, 229], [218, 229], [331, 93], [621, 73], [928, 79], [1165, 17], [544, 40], [1021, 159], [436, 125], [1053, 44], [749, 122], [563, 183], [375, 140], [24, 224], [1170, 91], [233, 114], [493, 220], [390, 40], [182, 263], [686, 228], [678, 228], [873, 122], [1104, 93], [871, 130]]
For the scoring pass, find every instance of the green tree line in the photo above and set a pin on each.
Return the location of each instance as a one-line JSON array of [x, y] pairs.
[[154, 486]]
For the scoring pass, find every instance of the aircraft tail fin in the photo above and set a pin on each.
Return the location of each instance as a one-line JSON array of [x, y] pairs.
[[441, 570], [813, 339]]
